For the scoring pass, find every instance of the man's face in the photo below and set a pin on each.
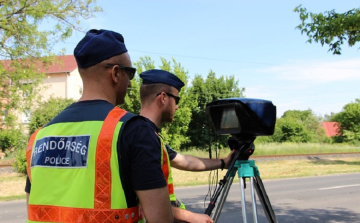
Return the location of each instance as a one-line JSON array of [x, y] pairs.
[[171, 106], [124, 80]]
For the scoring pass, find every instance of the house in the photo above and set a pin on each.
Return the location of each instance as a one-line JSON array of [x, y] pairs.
[[62, 79], [331, 128]]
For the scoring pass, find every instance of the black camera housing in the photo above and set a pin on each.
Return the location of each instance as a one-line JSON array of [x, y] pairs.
[[242, 116]]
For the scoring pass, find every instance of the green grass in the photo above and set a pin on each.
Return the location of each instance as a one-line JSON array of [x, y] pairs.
[[283, 149], [302, 148], [277, 170], [12, 198]]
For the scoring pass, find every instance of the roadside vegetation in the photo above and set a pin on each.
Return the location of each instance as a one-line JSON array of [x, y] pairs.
[[276, 169], [262, 149]]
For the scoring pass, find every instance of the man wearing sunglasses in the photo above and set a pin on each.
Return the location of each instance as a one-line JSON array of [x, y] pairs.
[[94, 162], [159, 95]]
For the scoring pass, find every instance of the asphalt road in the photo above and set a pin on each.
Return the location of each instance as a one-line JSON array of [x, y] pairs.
[[334, 198]]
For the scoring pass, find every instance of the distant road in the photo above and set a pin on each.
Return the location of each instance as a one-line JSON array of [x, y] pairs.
[[334, 198]]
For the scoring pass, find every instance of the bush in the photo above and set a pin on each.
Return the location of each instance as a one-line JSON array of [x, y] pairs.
[[46, 111], [20, 161], [11, 140]]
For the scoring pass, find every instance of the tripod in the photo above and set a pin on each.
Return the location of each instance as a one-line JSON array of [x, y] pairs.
[[246, 169]]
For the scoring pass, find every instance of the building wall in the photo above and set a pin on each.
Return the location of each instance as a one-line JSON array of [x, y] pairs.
[[60, 85], [55, 86], [75, 85]]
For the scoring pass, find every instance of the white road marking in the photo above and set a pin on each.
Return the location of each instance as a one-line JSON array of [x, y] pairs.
[[338, 187]]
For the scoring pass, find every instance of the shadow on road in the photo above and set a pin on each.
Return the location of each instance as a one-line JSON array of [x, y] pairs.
[[321, 161]]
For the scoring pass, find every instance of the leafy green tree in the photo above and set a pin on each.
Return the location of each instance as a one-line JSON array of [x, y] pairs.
[[26, 44], [132, 99], [20, 163], [349, 122], [173, 133], [293, 131], [186, 130], [330, 28], [46, 111], [329, 118], [203, 92], [297, 126], [11, 139]]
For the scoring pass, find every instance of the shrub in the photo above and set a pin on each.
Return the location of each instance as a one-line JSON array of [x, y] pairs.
[[20, 161], [46, 111], [11, 139]]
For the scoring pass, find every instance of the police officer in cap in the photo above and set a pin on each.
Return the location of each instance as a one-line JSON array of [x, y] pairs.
[[159, 95], [95, 162]]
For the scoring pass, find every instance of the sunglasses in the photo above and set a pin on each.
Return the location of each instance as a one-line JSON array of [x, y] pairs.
[[131, 70], [177, 98]]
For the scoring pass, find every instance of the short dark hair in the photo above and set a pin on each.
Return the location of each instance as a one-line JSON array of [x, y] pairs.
[[149, 91]]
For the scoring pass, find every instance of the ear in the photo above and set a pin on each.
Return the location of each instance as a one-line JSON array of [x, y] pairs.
[[161, 99], [115, 72]]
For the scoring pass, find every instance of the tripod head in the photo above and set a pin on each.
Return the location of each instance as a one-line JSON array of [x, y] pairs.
[[245, 146]]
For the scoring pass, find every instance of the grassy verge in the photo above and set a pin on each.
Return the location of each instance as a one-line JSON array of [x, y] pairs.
[[276, 170], [283, 149], [12, 186]]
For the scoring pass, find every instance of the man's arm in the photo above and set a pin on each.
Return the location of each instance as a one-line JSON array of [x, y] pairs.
[[27, 201], [156, 205], [192, 163], [181, 215]]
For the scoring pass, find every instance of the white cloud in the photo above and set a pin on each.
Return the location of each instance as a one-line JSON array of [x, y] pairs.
[[318, 71]]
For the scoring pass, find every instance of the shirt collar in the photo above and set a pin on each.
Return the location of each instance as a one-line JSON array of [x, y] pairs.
[[153, 126]]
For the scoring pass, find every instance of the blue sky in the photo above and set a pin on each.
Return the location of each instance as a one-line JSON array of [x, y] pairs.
[[256, 41]]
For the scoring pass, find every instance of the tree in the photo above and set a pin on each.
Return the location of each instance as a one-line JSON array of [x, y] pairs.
[[26, 43], [191, 127], [132, 99], [203, 92], [173, 133], [349, 122], [46, 111], [331, 28], [297, 126]]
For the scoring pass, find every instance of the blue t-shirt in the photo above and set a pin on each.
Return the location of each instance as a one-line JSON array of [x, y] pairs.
[[172, 153], [139, 153]]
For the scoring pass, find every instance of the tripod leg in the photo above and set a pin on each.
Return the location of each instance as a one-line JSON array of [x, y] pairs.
[[222, 200], [264, 199], [243, 204], [253, 200]]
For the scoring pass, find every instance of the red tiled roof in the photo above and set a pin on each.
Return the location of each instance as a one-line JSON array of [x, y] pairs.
[[66, 63], [331, 128]]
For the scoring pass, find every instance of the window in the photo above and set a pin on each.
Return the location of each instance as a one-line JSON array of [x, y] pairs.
[[26, 116], [3, 115]]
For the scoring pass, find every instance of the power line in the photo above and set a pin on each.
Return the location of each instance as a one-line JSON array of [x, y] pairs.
[[226, 60], [203, 58]]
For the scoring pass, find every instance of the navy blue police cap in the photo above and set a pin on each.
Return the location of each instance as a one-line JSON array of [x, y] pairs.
[[156, 76], [97, 46]]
